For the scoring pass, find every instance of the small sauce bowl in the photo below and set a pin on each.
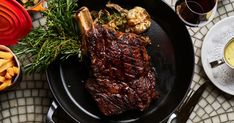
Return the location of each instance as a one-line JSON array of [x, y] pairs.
[[227, 55]]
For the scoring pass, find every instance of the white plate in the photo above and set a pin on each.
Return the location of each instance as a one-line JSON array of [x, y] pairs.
[[212, 49]]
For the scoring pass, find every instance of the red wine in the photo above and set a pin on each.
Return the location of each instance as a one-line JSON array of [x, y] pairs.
[[195, 12], [201, 6]]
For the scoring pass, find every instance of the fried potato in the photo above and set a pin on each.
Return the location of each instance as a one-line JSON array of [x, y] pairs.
[[8, 76], [8, 69], [3, 61], [6, 65], [16, 70], [5, 84], [2, 79], [6, 55]]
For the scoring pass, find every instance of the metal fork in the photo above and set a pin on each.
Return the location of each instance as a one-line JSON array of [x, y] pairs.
[[183, 112]]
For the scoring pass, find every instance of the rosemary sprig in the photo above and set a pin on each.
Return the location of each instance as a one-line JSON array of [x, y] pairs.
[[59, 40]]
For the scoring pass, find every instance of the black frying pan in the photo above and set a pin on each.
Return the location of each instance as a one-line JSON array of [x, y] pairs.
[[171, 54]]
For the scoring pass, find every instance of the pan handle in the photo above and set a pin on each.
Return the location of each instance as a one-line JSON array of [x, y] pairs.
[[50, 113]]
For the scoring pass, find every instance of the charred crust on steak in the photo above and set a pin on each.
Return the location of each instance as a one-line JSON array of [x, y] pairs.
[[121, 77]]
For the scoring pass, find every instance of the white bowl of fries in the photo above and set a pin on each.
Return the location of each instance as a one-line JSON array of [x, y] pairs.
[[10, 71]]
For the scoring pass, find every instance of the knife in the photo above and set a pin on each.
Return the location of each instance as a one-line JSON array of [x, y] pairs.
[[182, 115], [188, 107]]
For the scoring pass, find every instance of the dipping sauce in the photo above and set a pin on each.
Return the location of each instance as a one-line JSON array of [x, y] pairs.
[[229, 53]]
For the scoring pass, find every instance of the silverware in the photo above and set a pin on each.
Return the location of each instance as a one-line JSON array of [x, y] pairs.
[[183, 112], [216, 63]]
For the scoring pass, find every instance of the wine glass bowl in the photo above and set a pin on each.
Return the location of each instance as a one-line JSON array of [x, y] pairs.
[[196, 13]]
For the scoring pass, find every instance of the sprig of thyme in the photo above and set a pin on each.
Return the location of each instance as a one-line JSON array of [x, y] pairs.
[[58, 40]]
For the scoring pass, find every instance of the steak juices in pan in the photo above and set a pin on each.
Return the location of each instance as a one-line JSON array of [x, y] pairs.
[[121, 76]]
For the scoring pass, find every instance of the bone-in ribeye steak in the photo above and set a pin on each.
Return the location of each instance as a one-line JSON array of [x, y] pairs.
[[122, 78]]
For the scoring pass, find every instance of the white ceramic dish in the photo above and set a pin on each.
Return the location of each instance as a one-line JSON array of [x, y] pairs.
[[18, 77], [222, 76]]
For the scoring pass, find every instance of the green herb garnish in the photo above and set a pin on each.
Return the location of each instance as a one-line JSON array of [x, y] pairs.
[[58, 40], [114, 19]]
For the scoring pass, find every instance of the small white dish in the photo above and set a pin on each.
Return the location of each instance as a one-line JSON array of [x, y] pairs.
[[214, 42], [16, 79]]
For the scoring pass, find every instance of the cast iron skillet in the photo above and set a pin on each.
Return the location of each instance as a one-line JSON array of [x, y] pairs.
[[171, 54]]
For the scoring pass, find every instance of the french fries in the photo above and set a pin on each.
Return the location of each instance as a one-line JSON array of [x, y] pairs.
[[6, 55], [8, 69]]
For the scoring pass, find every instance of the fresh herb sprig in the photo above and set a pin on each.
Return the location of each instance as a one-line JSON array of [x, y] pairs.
[[57, 40]]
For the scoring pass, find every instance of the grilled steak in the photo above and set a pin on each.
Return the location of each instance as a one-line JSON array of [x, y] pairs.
[[121, 76]]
